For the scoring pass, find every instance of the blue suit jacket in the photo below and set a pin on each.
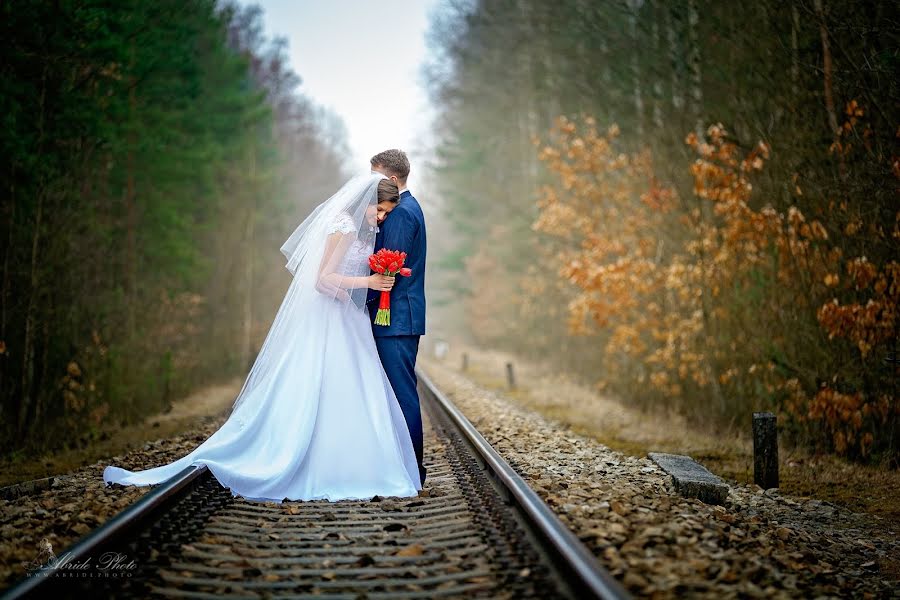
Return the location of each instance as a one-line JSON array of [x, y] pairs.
[[403, 230]]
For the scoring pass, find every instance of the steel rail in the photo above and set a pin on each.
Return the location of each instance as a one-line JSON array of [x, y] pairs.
[[579, 567], [116, 528]]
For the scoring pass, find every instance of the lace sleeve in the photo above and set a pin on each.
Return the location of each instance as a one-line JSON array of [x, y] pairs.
[[343, 223]]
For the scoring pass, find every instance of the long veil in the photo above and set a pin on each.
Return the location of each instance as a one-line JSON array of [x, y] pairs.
[[322, 274], [317, 392]]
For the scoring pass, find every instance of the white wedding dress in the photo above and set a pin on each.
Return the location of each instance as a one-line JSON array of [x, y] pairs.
[[317, 417]]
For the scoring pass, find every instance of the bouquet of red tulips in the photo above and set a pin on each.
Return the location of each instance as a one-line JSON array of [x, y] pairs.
[[387, 262]]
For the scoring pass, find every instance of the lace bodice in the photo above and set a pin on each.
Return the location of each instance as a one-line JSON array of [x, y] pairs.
[[356, 260], [343, 222]]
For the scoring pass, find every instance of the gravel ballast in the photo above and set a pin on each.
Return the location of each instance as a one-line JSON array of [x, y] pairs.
[[627, 511]]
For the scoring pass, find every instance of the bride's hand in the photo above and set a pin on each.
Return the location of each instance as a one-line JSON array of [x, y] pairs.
[[379, 282], [329, 289]]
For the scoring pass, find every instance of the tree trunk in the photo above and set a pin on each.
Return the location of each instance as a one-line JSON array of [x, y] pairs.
[[674, 61], [39, 397], [30, 321], [635, 6], [694, 62], [606, 78], [826, 68], [527, 113], [31, 308], [130, 207], [657, 83], [581, 56], [795, 51], [827, 71], [5, 292], [247, 330]]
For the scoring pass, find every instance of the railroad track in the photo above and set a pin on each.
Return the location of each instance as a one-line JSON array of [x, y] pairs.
[[481, 532]]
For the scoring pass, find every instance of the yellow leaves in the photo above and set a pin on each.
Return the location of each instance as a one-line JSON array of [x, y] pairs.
[[818, 230], [840, 442], [716, 132], [861, 272], [628, 339], [559, 219], [853, 227], [72, 401], [548, 153], [661, 277], [853, 109], [866, 442], [659, 380], [577, 144], [863, 346], [728, 375], [874, 322], [853, 112], [846, 414], [411, 550]]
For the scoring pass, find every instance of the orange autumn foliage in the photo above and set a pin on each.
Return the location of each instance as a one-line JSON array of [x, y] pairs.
[[718, 300]]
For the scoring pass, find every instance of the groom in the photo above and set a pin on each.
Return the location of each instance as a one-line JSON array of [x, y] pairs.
[[403, 230]]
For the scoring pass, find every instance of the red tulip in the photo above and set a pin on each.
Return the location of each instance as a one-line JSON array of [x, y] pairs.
[[387, 262]]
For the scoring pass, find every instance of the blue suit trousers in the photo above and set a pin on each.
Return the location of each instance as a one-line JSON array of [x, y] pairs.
[[398, 355]]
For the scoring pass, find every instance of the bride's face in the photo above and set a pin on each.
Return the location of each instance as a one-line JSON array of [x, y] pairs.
[[375, 215]]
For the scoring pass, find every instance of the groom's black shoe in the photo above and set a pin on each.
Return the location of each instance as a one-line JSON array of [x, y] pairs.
[[422, 471]]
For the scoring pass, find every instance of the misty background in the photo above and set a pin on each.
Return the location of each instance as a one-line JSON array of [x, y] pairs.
[[689, 205]]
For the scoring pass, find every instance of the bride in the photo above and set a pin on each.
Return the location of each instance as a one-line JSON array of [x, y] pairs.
[[316, 417]]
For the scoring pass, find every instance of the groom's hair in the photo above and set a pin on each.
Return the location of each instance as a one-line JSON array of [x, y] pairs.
[[394, 161]]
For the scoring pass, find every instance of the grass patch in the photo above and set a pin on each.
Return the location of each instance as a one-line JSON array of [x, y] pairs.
[[115, 440], [729, 454]]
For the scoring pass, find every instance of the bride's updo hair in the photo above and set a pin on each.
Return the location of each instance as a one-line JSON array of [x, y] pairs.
[[388, 192]]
